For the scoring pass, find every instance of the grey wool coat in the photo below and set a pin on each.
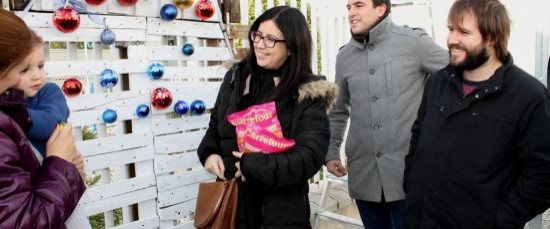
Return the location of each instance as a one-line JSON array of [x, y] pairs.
[[381, 82]]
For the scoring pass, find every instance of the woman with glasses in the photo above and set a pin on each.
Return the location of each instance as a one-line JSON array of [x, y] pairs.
[[274, 188]]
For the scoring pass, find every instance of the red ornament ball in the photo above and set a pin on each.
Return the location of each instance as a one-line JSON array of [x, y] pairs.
[[66, 19], [161, 98], [95, 2], [72, 87], [127, 2], [204, 9]]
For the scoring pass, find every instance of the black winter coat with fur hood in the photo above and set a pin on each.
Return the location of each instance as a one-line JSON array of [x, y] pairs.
[[275, 193]]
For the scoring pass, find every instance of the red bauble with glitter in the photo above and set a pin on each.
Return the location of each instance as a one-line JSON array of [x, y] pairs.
[[161, 98], [127, 2], [66, 19], [72, 87], [95, 2], [204, 9]]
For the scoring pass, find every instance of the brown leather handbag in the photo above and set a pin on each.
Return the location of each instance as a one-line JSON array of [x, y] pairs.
[[217, 205]]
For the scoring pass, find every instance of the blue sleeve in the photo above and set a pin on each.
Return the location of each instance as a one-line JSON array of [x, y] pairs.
[[46, 109]]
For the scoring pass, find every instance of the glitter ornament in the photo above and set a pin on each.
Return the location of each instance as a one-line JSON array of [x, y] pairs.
[[108, 78], [161, 98], [66, 19], [155, 71], [107, 37], [72, 87], [109, 116], [127, 2], [95, 2], [181, 107], [168, 12], [142, 111], [183, 4], [188, 49], [198, 107], [204, 9]]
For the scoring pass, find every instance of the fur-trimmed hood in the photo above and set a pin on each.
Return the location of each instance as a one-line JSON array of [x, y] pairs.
[[328, 91], [314, 89]]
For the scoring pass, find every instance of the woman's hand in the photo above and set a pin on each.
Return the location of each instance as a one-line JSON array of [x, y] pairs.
[[238, 165], [61, 144], [214, 165]]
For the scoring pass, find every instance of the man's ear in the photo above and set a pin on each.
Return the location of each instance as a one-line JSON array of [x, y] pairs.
[[381, 10]]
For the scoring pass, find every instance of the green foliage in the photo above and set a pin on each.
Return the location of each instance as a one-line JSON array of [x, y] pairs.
[[97, 221], [276, 2], [308, 16], [92, 179], [88, 134], [319, 58], [299, 4], [238, 43], [264, 5], [287, 2], [251, 15]]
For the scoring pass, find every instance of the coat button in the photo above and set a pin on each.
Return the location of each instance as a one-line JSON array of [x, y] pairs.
[[376, 127], [373, 99], [379, 154], [372, 71], [371, 46]]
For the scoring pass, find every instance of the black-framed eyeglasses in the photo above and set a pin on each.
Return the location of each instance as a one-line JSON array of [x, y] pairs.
[[268, 41]]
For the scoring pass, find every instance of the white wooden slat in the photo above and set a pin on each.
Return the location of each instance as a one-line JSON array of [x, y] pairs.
[[164, 126], [89, 34], [115, 202], [184, 28], [177, 195], [104, 145], [169, 163], [186, 225], [116, 189], [194, 72], [44, 20], [61, 69], [103, 100], [178, 142], [88, 117], [147, 223], [118, 158], [182, 179], [178, 211], [157, 52]]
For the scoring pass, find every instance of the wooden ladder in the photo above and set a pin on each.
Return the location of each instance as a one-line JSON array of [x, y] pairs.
[[324, 214]]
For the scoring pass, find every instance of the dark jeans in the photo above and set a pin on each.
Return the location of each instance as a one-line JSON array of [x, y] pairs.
[[382, 215]]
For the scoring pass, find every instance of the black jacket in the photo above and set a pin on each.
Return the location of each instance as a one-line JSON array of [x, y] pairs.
[[275, 194], [480, 161]]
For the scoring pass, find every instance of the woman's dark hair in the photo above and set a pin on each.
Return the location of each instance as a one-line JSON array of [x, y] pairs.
[[297, 67]]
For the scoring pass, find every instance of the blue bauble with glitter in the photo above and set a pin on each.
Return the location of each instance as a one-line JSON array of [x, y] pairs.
[[198, 107], [168, 12], [109, 116], [107, 37], [188, 49], [181, 107], [155, 71], [142, 110], [108, 78]]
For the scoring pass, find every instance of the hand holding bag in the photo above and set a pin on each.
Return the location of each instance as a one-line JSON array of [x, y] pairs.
[[217, 205]]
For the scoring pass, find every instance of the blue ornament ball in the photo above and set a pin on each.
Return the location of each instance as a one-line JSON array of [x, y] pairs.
[[168, 12], [198, 107], [108, 37], [155, 71], [108, 78], [109, 116], [181, 107], [188, 49], [142, 111]]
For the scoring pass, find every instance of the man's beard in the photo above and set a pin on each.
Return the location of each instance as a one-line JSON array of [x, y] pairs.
[[474, 57]]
